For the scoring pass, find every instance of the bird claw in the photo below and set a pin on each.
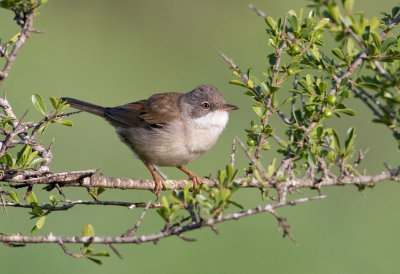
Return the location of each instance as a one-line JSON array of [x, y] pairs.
[[192, 176], [196, 180], [158, 184]]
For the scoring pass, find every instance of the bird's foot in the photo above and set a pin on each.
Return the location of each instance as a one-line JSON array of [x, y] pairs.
[[192, 176], [159, 183]]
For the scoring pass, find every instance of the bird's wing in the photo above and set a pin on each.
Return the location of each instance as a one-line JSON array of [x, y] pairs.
[[153, 112]]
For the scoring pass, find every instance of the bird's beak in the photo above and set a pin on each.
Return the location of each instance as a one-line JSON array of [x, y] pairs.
[[228, 107]]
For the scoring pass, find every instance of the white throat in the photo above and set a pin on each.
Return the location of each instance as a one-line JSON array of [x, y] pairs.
[[215, 120], [203, 132]]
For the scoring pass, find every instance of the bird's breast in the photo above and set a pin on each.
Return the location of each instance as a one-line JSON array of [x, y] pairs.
[[203, 132]]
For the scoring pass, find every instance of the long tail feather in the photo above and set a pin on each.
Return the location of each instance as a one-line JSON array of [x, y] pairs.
[[88, 107]]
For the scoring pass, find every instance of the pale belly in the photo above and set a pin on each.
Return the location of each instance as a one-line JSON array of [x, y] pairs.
[[172, 145]]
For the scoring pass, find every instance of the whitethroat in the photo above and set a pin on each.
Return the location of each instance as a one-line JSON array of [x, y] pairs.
[[168, 129]]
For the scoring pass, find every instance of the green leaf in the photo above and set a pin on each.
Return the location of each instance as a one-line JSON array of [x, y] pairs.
[[38, 103], [311, 159], [349, 140], [338, 53], [36, 210], [221, 176], [174, 199], [8, 160], [309, 80], [305, 85], [315, 53], [163, 212], [237, 82], [97, 261], [319, 131], [347, 111], [67, 123], [334, 11], [30, 158], [336, 138], [165, 201], [374, 22], [258, 176], [250, 83], [293, 22], [55, 102], [36, 162], [14, 38], [101, 254], [266, 145], [350, 47], [185, 195], [32, 198], [322, 87], [369, 85], [286, 101], [348, 5], [236, 204], [398, 44], [40, 222], [88, 230], [225, 193], [377, 39], [259, 110], [270, 22], [271, 168], [230, 172], [23, 155], [356, 28], [53, 199], [373, 50], [321, 23], [388, 42], [34, 230], [43, 127], [14, 196]]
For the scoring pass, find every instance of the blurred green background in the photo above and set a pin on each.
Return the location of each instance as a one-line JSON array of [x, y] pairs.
[[114, 52]]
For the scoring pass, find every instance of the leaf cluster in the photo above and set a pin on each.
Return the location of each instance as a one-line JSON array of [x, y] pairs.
[[202, 203]]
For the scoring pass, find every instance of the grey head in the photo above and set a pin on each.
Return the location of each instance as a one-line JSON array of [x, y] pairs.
[[202, 101]]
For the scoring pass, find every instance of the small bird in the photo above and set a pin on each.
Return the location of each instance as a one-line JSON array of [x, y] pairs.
[[168, 129]]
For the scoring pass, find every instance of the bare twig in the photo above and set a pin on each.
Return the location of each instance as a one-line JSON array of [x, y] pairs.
[[390, 26], [259, 12], [67, 204], [233, 153], [24, 35], [61, 240], [116, 252], [68, 252], [130, 232], [3, 201]]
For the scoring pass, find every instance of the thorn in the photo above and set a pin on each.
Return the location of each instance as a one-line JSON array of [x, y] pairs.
[[187, 239], [213, 228], [115, 251]]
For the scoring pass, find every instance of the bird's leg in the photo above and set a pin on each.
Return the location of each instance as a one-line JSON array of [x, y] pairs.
[[192, 176], [159, 182]]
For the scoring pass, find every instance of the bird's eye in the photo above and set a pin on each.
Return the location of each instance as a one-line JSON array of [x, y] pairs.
[[205, 105]]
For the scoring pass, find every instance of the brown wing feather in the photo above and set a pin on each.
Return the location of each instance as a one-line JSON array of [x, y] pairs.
[[153, 112]]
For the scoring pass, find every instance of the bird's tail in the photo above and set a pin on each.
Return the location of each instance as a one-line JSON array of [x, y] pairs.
[[94, 109]]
